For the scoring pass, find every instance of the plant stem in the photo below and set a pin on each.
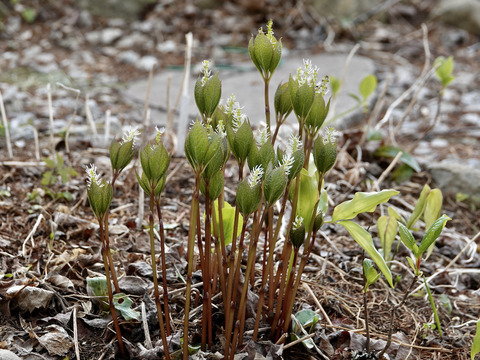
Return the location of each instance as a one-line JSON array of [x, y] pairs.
[[307, 249], [290, 295], [365, 311], [279, 121], [365, 307], [109, 255], [392, 316], [206, 275], [267, 103], [250, 266], [109, 288], [155, 279], [233, 284], [190, 253], [164, 268], [283, 273]]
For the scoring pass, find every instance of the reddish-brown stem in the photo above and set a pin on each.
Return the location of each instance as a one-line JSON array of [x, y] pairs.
[[109, 255], [250, 267], [206, 274], [164, 268], [110, 292], [392, 316], [283, 270], [267, 103], [306, 253], [156, 291], [235, 340], [190, 253]]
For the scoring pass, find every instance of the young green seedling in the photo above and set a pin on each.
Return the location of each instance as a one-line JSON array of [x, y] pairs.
[[266, 51], [155, 161], [417, 250], [100, 194]]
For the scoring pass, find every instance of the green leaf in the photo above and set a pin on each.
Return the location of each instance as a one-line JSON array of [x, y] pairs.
[[323, 202], [335, 84], [49, 162], [433, 207], [361, 202], [364, 239], [371, 275], [48, 178], [412, 264], [307, 318], [98, 287], [387, 230], [433, 233], [228, 217], [408, 239], [390, 151], [307, 196], [368, 86], [402, 173], [444, 70], [123, 303], [419, 207], [476, 342], [60, 161]]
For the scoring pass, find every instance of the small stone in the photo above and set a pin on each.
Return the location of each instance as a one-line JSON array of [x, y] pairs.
[[109, 51], [470, 119], [439, 143], [93, 37], [472, 101], [128, 57], [85, 19], [461, 13], [45, 58], [453, 177], [8, 355], [109, 35], [31, 52], [147, 62], [167, 46], [134, 40]]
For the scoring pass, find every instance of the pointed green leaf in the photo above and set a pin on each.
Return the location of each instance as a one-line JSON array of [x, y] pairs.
[[433, 233], [368, 86], [371, 274], [433, 207], [419, 207], [60, 161], [393, 214], [364, 239], [228, 216], [307, 318], [408, 239], [387, 230], [412, 264], [389, 151], [49, 162], [335, 84], [361, 202]]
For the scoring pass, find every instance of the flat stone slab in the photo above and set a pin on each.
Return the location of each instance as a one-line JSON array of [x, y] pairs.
[[245, 82]]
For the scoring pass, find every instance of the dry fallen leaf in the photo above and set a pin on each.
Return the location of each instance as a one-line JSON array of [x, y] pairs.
[[56, 341], [30, 298]]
